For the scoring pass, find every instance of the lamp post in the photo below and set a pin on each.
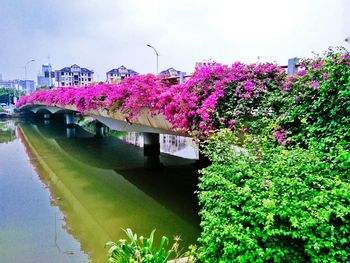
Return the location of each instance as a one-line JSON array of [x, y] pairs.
[[25, 72], [157, 55]]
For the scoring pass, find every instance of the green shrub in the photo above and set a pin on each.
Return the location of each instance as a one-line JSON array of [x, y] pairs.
[[286, 196], [141, 249], [273, 204], [316, 101]]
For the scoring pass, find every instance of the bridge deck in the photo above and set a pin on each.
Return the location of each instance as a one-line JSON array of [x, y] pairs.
[[116, 120]]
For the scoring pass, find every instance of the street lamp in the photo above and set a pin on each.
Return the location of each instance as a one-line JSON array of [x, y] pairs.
[[25, 68], [148, 45], [25, 72]]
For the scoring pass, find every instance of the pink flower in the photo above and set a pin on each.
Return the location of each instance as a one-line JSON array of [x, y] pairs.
[[315, 85]]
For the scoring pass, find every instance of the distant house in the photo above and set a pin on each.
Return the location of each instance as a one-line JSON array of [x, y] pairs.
[[74, 76], [174, 76], [117, 74], [170, 72]]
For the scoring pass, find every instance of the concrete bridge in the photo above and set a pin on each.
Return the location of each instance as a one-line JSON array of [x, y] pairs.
[[146, 123], [4, 114]]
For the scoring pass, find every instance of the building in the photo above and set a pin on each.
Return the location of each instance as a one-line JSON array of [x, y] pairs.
[[28, 86], [117, 74], [9, 84], [47, 77], [171, 72], [74, 76], [174, 76]]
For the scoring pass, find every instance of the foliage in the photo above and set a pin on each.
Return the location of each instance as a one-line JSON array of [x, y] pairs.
[[141, 249], [221, 96], [7, 94], [285, 197], [273, 204], [134, 93], [215, 96], [316, 101]]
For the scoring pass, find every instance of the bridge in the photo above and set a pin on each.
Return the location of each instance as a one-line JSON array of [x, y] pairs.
[[146, 123], [4, 114]]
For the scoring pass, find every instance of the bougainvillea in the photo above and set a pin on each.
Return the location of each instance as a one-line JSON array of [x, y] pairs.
[[316, 101], [236, 97], [286, 197], [130, 96], [215, 96]]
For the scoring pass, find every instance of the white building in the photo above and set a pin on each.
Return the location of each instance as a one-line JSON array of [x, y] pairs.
[[46, 77], [74, 76], [171, 72], [117, 74]]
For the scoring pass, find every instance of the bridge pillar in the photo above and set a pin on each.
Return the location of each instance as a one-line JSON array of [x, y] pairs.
[[70, 123], [151, 150], [47, 118], [70, 131], [99, 130], [69, 119]]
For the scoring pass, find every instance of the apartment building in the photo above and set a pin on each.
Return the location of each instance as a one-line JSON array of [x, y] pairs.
[[74, 76]]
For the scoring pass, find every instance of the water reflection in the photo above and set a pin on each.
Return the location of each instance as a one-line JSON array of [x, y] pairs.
[[31, 229], [7, 131], [174, 145], [101, 186], [70, 132]]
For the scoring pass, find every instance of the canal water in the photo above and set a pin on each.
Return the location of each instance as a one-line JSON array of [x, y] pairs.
[[62, 199]]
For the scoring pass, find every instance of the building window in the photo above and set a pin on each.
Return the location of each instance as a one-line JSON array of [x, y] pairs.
[[62, 83], [62, 73], [89, 79]]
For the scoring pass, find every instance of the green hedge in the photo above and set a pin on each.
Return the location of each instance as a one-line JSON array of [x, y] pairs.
[[286, 201], [276, 205]]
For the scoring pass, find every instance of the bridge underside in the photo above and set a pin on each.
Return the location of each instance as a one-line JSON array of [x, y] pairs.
[[144, 123]]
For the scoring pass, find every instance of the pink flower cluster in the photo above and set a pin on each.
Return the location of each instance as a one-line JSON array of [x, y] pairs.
[[215, 96], [218, 96], [130, 96], [281, 136]]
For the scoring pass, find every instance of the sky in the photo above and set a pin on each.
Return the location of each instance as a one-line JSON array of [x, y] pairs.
[[105, 34]]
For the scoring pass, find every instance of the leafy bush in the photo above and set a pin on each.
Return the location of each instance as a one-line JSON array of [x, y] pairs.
[[316, 101], [286, 197], [140, 249], [272, 205]]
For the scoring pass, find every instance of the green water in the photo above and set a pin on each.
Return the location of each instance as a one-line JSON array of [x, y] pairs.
[[62, 198]]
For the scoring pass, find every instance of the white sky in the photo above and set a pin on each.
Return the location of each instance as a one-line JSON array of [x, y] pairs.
[[104, 34]]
